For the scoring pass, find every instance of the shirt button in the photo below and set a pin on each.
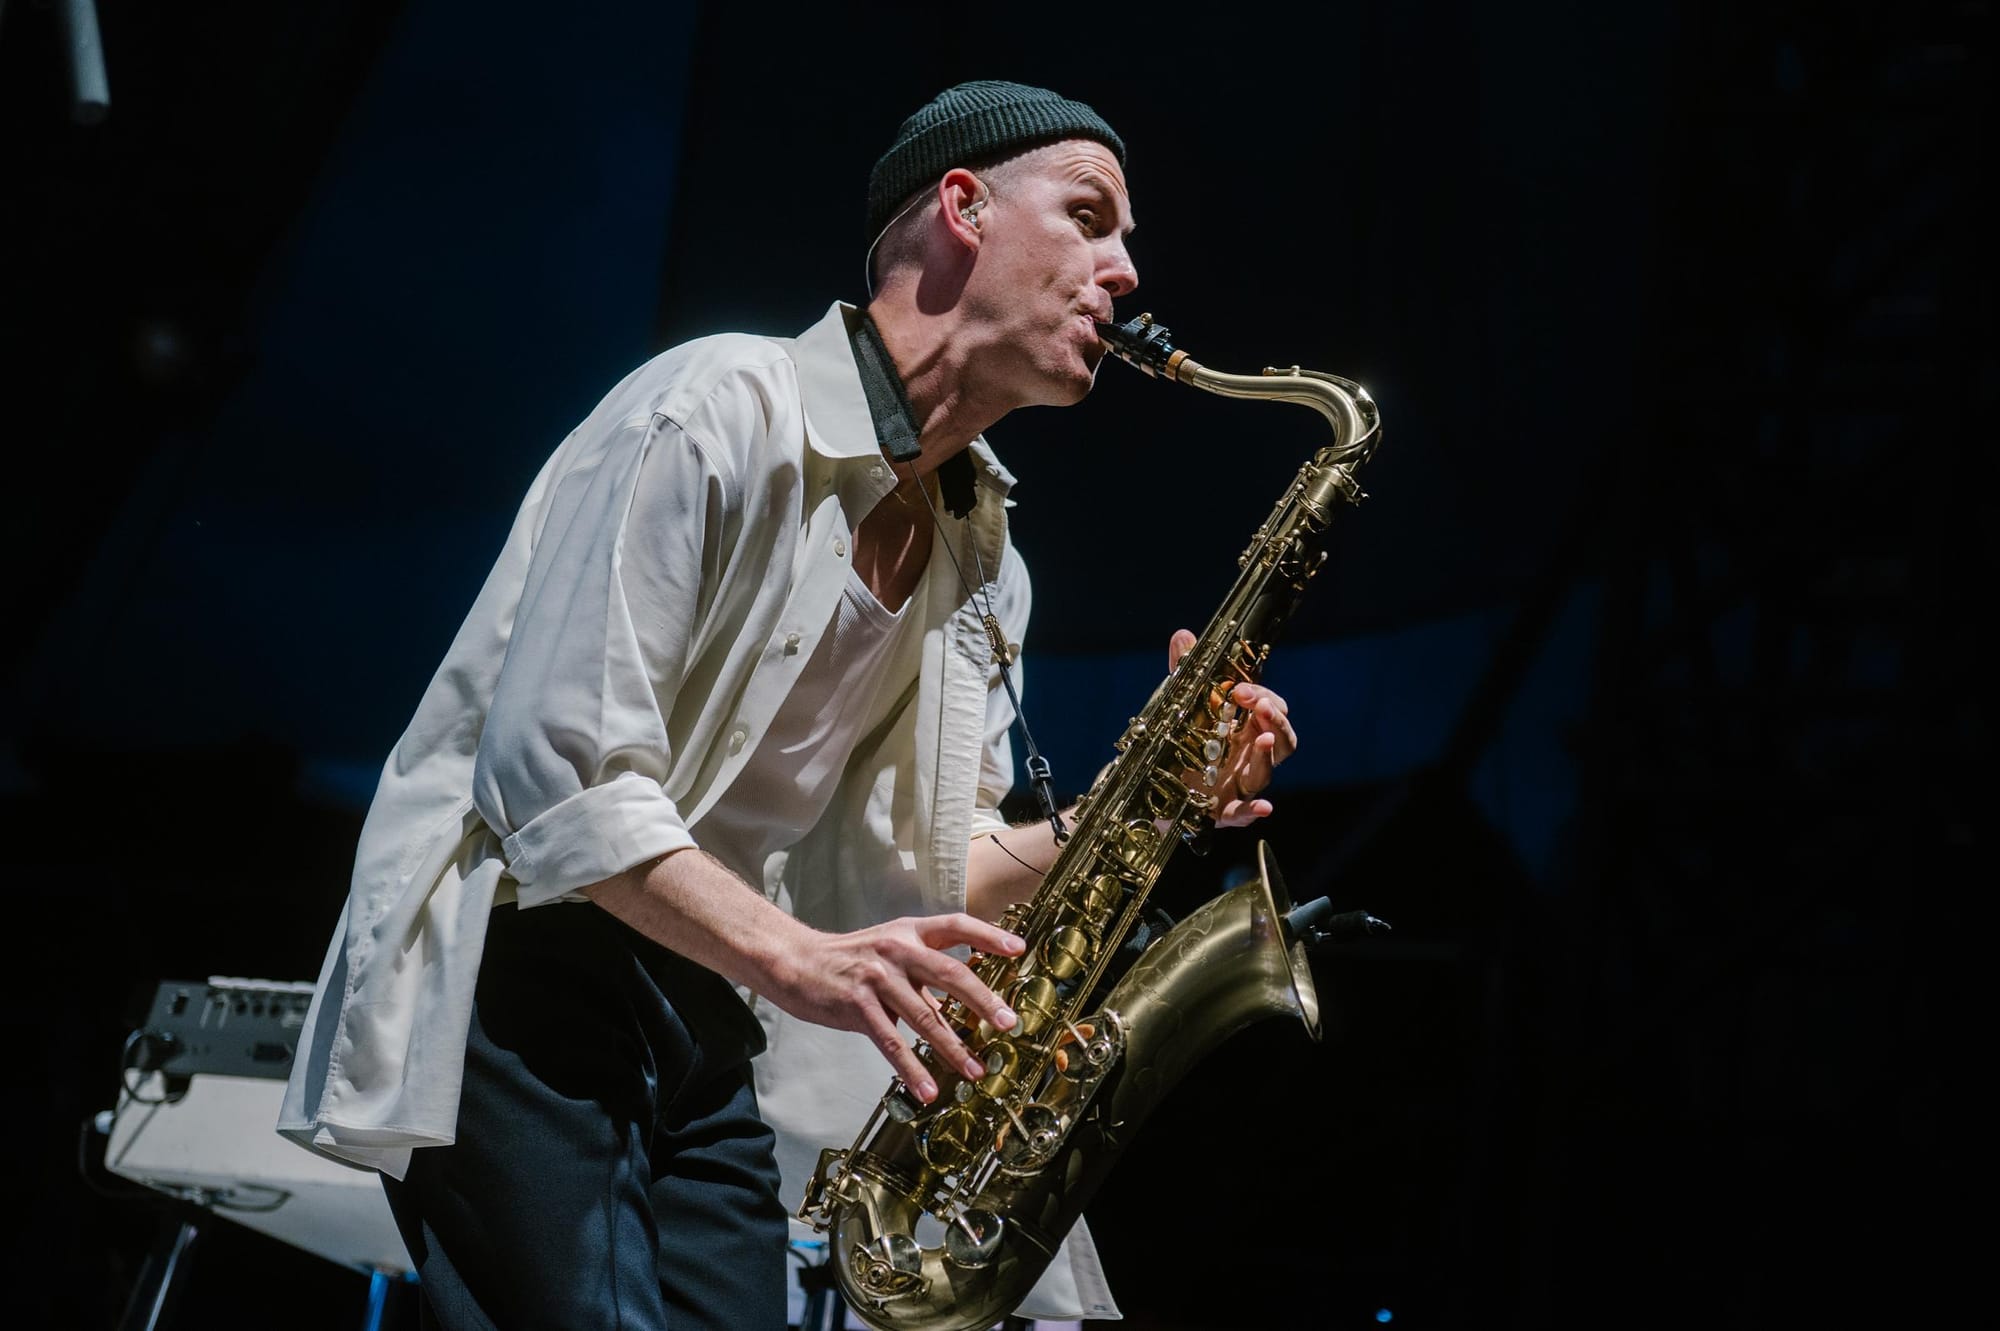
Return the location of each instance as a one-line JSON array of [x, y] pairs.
[[840, 547], [791, 643], [876, 471], [736, 738]]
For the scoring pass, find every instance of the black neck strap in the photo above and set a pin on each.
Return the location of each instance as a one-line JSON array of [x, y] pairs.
[[895, 423], [896, 431]]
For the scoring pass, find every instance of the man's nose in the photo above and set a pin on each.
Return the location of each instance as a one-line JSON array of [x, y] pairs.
[[1119, 275]]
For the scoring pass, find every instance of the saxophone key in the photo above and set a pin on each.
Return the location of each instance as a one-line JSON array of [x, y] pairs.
[[1035, 1002], [973, 1240], [1103, 894], [1134, 848], [1003, 1067], [1091, 1050], [1024, 995], [1164, 799], [1030, 1138], [950, 1138], [891, 1265], [1084, 1055], [899, 1104], [1067, 952]]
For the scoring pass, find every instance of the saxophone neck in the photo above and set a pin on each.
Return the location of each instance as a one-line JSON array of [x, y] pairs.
[[1344, 404]]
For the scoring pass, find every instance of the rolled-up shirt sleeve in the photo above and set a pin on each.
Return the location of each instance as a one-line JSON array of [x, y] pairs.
[[574, 754]]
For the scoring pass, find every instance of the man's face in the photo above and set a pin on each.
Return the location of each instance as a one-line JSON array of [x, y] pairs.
[[1052, 255]]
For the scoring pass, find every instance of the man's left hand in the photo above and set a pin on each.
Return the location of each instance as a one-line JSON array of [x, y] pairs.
[[1264, 738]]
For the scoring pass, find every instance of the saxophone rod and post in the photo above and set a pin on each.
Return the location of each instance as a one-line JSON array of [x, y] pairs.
[[1000, 1166]]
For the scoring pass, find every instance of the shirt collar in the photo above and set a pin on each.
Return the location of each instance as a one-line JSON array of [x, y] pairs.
[[838, 422]]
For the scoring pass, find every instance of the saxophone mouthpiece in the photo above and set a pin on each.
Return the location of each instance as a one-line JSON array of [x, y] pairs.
[[1140, 343]]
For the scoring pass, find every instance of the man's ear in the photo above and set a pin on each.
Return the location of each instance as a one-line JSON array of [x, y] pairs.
[[961, 196]]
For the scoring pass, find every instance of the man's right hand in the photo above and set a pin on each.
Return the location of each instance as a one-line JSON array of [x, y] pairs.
[[863, 981], [860, 981]]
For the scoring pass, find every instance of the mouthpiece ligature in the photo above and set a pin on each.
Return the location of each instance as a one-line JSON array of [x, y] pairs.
[[1142, 344]]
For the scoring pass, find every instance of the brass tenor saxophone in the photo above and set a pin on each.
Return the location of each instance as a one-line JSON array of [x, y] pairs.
[[997, 1170]]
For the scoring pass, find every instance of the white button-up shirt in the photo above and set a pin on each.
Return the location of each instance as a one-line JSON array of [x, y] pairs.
[[662, 586]]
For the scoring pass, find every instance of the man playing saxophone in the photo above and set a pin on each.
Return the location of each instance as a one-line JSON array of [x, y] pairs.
[[728, 705]]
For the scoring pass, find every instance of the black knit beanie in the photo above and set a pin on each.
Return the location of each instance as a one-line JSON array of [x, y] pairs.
[[973, 123]]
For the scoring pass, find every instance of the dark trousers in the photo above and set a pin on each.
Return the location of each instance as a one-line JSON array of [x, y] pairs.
[[610, 1168]]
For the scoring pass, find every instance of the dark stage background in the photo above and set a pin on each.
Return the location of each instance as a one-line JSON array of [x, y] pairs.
[[1641, 697]]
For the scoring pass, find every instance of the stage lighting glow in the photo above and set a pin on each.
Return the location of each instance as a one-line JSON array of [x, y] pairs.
[[1384, 1315]]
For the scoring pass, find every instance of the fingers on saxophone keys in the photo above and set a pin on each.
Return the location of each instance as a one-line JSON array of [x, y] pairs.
[[882, 1030], [942, 931], [956, 979], [932, 1030]]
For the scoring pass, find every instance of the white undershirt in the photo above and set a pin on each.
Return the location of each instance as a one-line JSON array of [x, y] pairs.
[[840, 697]]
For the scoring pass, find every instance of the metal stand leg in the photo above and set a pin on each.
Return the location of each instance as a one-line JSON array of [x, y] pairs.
[[154, 1294]]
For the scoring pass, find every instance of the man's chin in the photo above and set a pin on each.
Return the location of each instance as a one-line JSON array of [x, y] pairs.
[[1073, 391], [1063, 392], [1096, 363], [1082, 384], [1066, 384]]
